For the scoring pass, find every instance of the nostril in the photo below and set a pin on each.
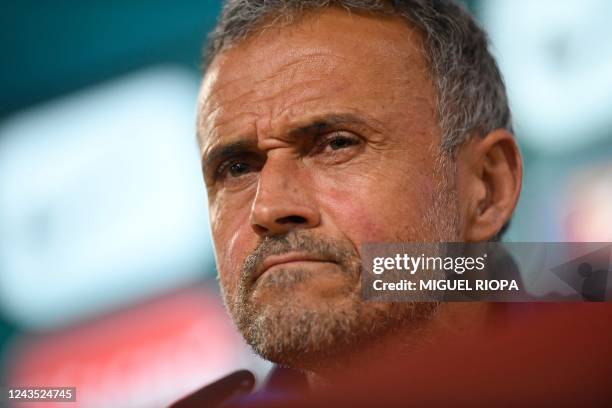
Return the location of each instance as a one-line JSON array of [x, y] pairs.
[[292, 219]]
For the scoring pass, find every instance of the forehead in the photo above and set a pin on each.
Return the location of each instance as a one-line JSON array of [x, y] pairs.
[[326, 58]]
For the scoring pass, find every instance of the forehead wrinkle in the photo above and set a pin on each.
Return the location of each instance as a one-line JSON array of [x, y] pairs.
[[239, 96], [210, 110], [213, 121], [216, 93], [231, 119], [289, 63], [212, 136], [292, 94], [209, 107], [289, 118], [296, 61], [309, 59], [222, 104], [214, 83], [288, 103]]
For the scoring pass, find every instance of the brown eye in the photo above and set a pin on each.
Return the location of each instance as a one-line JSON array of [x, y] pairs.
[[238, 169], [337, 147], [336, 141], [233, 169], [341, 142]]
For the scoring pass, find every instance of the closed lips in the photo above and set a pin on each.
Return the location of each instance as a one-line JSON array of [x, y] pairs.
[[274, 260]]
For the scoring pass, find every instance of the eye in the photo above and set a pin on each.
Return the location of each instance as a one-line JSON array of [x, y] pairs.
[[340, 142], [336, 141], [233, 169], [238, 169], [337, 147]]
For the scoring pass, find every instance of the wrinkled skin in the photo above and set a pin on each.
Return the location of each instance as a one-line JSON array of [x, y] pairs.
[[311, 148]]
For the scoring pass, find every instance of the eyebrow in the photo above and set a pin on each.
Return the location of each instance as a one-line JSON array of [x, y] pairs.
[[330, 122], [222, 152], [317, 126]]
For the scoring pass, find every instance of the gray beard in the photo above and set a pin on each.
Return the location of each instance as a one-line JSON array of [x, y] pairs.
[[290, 334], [325, 337]]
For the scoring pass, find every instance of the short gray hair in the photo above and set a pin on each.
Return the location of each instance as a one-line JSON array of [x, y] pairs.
[[471, 95]]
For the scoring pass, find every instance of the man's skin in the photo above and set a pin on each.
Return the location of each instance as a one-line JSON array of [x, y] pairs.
[[339, 140]]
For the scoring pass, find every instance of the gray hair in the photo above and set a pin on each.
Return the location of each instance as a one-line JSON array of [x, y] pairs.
[[471, 96]]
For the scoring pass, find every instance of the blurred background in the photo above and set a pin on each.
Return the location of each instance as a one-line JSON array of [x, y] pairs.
[[107, 275]]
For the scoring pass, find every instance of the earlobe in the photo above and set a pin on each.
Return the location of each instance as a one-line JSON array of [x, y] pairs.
[[492, 181]]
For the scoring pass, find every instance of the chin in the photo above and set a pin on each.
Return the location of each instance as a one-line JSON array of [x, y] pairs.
[[305, 288], [298, 332]]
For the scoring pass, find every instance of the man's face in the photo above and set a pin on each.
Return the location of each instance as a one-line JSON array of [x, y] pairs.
[[317, 137]]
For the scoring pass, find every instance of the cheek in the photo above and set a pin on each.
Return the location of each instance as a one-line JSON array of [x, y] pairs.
[[234, 240], [359, 217], [378, 212]]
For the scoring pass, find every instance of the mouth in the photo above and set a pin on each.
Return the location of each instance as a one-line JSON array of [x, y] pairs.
[[291, 258]]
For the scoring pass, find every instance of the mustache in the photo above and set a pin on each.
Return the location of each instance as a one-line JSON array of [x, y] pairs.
[[345, 255]]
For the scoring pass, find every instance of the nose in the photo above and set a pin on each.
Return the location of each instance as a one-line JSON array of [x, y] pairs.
[[283, 201]]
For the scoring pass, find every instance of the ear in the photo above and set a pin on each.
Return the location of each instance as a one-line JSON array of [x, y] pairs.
[[489, 178]]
